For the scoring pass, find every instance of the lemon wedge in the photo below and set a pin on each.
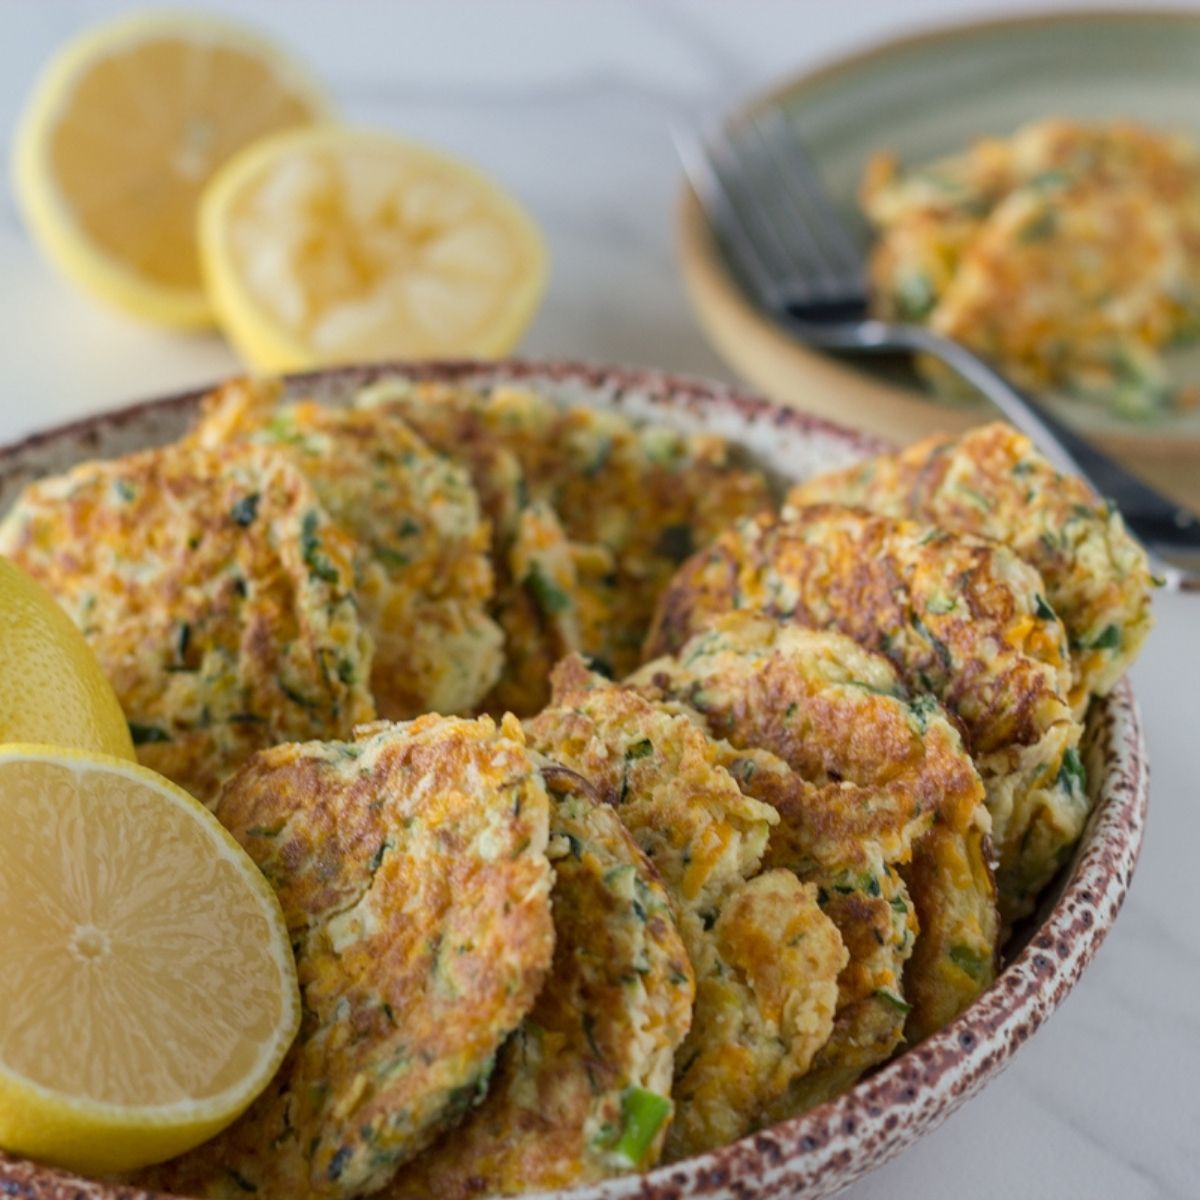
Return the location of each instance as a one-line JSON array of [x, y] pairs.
[[51, 686], [148, 990], [329, 244], [122, 132]]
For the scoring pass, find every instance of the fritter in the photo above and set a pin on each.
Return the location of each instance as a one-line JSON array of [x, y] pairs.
[[425, 576], [555, 597], [582, 1089], [217, 594], [706, 838], [871, 910], [765, 1008], [867, 901], [1065, 252], [411, 867], [961, 617], [879, 779], [646, 496], [992, 482]]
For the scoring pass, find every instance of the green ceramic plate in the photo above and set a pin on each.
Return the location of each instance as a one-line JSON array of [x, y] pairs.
[[934, 93]]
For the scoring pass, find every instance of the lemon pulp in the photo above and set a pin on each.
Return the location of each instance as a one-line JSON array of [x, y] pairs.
[[124, 129], [148, 991]]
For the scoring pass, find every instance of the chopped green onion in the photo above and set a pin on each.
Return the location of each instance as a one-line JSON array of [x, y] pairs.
[[640, 749], [968, 960], [643, 1114], [896, 1002]]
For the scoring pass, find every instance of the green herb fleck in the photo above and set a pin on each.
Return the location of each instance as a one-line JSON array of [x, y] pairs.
[[890, 998], [318, 564], [639, 749], [922, 708], [940, 604], [676, 542], [1072, 775], [1042, 608], [337, 1164], [145, 735], [915, 296], [245, 510], [551, 599], [1041, 227], [1109, 639], [942, 650], [974, 963], [392, 558], [240, 1181]]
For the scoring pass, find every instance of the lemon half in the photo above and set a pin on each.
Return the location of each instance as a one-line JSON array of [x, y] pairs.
[[123, 130], [148, 990], [329, 244], [51, 686]]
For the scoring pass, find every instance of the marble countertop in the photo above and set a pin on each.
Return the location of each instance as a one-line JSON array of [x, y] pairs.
[[570, 105]]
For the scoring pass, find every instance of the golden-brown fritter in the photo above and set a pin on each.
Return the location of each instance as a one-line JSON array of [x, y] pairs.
[[765, 1007], [871, 910], [217, 594], [688, 815], [962, 618], [878, 779], [646, 496], [582, 1089], [1065, 252], [424, 572], [412, 873], [555, 597], [993, 482]]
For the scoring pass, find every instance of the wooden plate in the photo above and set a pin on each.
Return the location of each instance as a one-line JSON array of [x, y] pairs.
[[932, 94]]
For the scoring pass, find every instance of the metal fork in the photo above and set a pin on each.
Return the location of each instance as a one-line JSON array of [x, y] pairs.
[[797, 258]]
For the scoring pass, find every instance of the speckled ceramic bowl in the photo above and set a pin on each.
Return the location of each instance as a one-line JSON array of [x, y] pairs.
[[817, 1154]]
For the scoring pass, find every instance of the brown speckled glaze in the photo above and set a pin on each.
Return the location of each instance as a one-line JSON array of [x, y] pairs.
[[819, 1153]]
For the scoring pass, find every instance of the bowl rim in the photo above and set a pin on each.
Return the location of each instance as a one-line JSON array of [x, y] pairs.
[[827, 1147], [756, 346]]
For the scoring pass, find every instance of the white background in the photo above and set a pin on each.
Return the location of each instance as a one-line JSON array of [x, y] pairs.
[[570, 105]]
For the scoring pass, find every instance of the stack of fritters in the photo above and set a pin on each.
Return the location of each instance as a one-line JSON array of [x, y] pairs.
[[676, 905], [619, 507], [217, 593], [290, 569]]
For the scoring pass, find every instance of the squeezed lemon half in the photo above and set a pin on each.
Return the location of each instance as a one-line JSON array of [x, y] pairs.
[[329, 244], [125, 127], [148, 991]]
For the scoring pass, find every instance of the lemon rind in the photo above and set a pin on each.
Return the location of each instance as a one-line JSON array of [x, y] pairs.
[[39, 1121], [264, 342], [49, 218]]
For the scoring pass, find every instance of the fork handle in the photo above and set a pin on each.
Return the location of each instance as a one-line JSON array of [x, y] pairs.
[[1152, 517]]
